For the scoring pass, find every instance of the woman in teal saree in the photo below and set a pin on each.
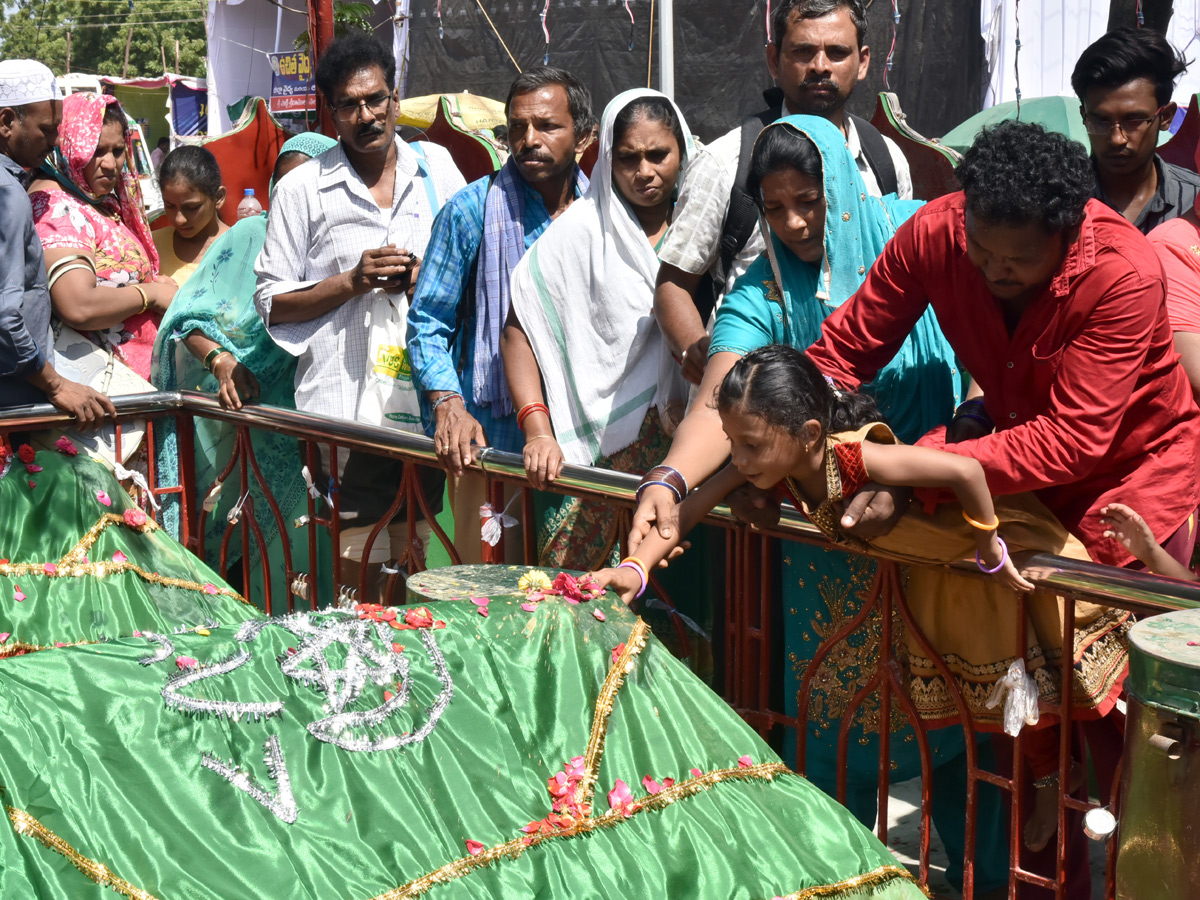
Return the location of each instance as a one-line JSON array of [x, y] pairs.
[[218, 303]]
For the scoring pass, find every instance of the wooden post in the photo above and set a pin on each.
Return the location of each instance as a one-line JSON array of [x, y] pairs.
[[128, 41], [320, 30], [1155, 13], [163, 51], [68, 53], [176, 56]]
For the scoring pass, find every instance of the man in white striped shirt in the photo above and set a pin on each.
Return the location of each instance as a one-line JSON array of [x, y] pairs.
[[352, 221]]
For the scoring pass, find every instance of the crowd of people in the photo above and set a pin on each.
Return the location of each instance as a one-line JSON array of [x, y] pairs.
[[685, 307]]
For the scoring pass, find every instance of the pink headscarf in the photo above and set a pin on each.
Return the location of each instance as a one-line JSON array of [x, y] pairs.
[[79, 135]]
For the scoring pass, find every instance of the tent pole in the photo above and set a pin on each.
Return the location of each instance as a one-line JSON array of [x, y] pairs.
[[278, 24], [666, 47]]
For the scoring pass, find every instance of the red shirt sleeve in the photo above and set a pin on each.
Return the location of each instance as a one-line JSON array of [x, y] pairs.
[[1095, 375]]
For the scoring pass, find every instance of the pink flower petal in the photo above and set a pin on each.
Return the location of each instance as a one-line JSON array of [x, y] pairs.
[[482, 611], [668, 782], [474, 847], [210, 588], [620, 794], [651, 786], [18, 594], [535, 596], [387, 696], [32, 485], [49, 568], [32, 469], [481, 601], [120, 557], [696, 773], [186, 662], [4, 636], [397, 648], [104, 498], [744, 762], [599, 614], [617, 651], [529, 607], [64, 445]]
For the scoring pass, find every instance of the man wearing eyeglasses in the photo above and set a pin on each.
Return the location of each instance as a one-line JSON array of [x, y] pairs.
[[346, 229], [1124, 82]]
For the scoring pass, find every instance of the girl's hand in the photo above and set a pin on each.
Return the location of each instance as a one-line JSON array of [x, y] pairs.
[[236, 383], [543, 459], [1123, 524], [625, 581], [991, 552]]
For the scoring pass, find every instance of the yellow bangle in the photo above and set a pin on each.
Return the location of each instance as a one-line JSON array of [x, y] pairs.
[[534, 437], [980, 525], [145, 297], [637, 562]]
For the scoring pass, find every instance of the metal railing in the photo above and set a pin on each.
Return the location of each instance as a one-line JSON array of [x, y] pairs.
[[747, 639]]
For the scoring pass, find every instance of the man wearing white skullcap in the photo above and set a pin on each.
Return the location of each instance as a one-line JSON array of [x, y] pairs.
[[30, 113]]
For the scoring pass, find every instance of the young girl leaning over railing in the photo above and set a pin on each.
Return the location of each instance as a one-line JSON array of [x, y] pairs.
[[790, 429]]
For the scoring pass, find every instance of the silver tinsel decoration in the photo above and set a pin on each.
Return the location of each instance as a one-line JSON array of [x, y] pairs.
[[282, 804], [230, 709], [165, 648]]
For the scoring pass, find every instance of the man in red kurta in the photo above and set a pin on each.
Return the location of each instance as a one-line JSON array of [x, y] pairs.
[[1055, 305]]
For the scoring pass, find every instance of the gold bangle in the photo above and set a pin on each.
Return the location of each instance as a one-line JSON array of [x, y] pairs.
[[145, 297], [980, 525], [534, 437]]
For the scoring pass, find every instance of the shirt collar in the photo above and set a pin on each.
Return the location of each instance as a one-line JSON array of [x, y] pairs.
[[1155, 204], [11, 166], [336, 171]]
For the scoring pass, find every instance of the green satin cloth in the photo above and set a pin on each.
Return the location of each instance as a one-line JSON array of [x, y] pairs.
[[90, 750], [44, 523]]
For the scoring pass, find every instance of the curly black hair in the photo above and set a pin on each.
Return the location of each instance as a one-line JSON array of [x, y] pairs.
[[350, 54], [1017, 172]]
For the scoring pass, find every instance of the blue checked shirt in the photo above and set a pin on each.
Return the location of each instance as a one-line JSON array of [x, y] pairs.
[[442, 360]]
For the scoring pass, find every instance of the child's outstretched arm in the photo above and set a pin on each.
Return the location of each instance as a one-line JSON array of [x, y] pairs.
[[905, 466], [1123, 524], [655, 550]]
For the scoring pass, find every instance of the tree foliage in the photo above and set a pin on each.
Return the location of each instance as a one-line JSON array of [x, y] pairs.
[[347, 17], [39, 29]]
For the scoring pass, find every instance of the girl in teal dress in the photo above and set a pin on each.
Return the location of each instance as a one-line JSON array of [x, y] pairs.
[[823, 233]]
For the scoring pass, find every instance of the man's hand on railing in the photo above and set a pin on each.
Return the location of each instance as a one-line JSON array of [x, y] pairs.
[[454, 432], [874, 510], [543, 459], [657, 509], [236, 383], [86, 404], [754, 506]]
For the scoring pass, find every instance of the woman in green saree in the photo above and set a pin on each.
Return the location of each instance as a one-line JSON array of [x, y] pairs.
[[235, 358]]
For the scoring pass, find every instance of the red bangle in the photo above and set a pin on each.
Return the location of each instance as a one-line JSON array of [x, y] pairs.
[[529, 409]]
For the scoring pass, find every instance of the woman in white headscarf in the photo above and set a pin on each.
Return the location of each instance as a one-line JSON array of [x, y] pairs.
[[582, 325]]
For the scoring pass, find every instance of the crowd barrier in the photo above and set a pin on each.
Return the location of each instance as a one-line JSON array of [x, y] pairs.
[[748, 646]]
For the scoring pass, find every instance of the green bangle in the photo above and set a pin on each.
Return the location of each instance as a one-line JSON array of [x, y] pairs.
[[211, 357]]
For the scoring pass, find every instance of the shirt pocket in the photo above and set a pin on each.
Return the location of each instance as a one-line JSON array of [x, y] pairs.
[[1045, 357]]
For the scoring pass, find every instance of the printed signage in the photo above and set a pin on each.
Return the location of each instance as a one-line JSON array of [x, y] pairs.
[[292, 87]]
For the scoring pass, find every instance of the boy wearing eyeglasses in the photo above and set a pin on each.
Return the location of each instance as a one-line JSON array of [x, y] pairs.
[[1124, 82]]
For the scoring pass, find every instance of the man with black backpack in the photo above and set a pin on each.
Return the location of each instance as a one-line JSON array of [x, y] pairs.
[[817, 55]]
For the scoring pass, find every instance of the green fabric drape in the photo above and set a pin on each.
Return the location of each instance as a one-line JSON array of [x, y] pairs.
[[96, 762], [72, 569]]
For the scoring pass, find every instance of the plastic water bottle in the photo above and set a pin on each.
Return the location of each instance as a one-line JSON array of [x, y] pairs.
[[249, 205]]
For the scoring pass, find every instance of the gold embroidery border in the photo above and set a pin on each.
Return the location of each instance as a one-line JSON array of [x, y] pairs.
[[869, 880], [24, 823], [517, 846], [605, 701], [71, 564]]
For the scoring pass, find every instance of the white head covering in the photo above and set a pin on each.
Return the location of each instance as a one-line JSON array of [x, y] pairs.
[[25, 81], [585, 296]]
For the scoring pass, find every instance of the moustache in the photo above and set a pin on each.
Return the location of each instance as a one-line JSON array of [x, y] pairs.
[[370, 130], [824, 83], [533, 157]]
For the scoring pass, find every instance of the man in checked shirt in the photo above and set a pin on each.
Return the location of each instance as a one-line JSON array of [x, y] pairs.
[[347, 223]]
